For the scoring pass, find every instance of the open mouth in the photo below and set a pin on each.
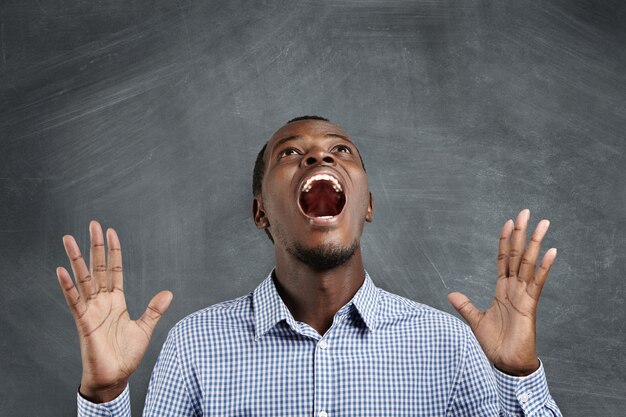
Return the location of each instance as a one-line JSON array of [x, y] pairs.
[[322, 196]]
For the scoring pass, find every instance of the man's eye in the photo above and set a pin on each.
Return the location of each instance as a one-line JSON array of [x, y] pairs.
[[289, 151], [342, 148]]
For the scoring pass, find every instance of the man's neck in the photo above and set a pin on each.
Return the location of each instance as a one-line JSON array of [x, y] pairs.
[[313, 297]]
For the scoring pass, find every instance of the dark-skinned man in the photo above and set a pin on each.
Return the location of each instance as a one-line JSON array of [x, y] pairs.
[[316, 337]]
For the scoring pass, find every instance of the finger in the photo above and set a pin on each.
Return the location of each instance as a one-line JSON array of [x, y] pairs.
[[156, 308], [466, 309], [83, 277], [529, 259], [503, 249], [114, 270], [72, 296], [541, 276], [518, 242], [97, 261]]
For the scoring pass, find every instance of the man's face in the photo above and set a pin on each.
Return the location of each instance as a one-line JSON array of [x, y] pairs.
[[315, 190]]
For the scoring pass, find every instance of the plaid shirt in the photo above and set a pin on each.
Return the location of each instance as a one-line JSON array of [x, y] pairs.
[[384, 355]]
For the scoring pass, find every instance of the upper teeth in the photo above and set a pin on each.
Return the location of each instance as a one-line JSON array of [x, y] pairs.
[[309, 183]]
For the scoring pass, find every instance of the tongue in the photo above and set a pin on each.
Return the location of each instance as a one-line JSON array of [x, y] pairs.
[[322, 200]]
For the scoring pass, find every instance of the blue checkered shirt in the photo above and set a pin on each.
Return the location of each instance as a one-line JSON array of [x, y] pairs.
[[384, 355]]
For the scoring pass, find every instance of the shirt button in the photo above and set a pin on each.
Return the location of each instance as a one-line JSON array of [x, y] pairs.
[[524, 397], [323, 414], [323, 345]]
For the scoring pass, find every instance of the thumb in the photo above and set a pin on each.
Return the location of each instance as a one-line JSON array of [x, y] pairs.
[[464, 306], [156, 308]]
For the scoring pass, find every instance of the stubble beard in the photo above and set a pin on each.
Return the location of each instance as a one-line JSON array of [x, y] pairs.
[[325, 256]]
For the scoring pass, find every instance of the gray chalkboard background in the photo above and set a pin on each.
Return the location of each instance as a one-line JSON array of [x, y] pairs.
[[147, 116]]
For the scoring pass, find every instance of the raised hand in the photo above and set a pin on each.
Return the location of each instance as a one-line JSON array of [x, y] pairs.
[[111, 344], [507, 330]]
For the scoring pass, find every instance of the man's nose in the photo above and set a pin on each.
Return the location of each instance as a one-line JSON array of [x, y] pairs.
[[318, 157]]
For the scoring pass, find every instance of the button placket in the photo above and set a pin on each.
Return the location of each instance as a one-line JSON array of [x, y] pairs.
[[323, 368], [524, 397]]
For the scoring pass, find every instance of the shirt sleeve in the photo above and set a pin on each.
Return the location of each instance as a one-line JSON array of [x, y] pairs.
[[119, 407], [167, 393], [525, 396], [483, 390]]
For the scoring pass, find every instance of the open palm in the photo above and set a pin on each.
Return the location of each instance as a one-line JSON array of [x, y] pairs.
[[506, 331], [112, 345]]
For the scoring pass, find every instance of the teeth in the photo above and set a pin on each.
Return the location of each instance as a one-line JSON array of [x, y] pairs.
[[308, 184]]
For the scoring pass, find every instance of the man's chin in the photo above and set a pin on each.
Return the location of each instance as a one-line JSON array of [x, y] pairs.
[[325, 256]]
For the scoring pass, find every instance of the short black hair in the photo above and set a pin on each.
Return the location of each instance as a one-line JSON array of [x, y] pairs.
[[259, 164], [296, 119]]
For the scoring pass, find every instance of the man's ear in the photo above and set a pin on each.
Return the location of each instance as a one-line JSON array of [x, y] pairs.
[[258, 213], [370, 210]]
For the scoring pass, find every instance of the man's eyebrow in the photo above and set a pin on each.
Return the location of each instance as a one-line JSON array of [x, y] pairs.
[[286, 139], [337, 135], [296, 137]]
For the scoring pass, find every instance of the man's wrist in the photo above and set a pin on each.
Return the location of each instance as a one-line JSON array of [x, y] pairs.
[[102, 395], [519, 371]]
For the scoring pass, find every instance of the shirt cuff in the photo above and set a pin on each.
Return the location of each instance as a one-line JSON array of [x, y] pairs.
[[119, 406], [524, 395]]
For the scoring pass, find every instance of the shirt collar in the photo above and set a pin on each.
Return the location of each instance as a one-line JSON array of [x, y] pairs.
[[269, 308], [366, 302]]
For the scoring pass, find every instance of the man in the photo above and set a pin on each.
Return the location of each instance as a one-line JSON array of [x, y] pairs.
[[316, 337]]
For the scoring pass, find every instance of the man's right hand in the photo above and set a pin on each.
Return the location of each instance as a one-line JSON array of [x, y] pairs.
[[111, 344]]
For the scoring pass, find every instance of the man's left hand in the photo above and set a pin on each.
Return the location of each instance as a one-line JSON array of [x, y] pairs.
[[507, 330]]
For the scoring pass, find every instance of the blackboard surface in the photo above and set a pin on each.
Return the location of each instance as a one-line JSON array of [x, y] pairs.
[[147, 116]]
